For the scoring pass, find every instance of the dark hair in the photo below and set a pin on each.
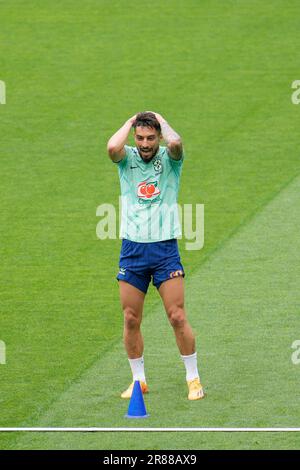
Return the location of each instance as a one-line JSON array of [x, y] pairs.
[[146, 119]]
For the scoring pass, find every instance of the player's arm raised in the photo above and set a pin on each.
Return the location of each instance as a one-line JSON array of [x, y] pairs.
[[115, 145], [172, 139]]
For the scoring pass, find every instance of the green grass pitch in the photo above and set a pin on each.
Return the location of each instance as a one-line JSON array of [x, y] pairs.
[[221, 73]]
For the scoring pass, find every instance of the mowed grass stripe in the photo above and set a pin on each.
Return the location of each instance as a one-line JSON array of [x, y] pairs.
[[243, 304]]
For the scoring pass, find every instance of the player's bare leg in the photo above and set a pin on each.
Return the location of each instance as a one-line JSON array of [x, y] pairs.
[[132, 301], [172, 294]]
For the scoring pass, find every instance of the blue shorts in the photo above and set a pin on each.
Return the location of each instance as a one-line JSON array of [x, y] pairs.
[[141, 261]]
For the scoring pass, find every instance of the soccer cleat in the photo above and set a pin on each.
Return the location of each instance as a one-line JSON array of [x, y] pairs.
[[127, 393], [196, 391]]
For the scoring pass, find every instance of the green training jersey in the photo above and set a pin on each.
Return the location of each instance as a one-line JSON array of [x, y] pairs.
[[149, 196]]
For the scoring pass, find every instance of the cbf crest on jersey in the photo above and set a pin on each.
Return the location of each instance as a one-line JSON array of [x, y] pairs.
[[157, 165]]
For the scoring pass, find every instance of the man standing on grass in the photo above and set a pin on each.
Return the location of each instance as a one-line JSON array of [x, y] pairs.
[[149, 177]]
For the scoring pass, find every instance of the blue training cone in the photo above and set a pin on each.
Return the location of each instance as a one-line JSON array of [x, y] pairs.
[[136, 408]]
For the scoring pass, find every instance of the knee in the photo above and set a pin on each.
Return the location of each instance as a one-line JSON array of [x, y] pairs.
[[176, 316], [131, 318]]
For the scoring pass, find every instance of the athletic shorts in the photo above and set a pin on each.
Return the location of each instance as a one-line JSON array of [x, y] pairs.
[[139, 262]]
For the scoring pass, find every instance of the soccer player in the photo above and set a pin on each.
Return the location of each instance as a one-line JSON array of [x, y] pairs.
[[149, 178]]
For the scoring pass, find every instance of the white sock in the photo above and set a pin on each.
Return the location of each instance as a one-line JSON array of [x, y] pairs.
[[191, 368], [137, 368]]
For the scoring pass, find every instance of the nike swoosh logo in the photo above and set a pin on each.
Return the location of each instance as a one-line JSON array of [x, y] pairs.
[[133, 167]]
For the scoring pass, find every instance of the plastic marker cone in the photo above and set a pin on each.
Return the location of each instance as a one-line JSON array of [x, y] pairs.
[[136, 408]]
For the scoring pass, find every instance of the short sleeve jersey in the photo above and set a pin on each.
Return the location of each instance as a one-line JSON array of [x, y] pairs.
[[149, 194]]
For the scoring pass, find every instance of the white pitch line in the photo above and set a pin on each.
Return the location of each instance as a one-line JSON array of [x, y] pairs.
[[149, 429]]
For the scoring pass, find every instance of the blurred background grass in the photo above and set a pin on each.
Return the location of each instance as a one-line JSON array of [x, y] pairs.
[[221, 73]]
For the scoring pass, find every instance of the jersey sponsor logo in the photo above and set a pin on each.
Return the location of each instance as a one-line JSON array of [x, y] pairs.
[[148, 190], [177, 273]]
